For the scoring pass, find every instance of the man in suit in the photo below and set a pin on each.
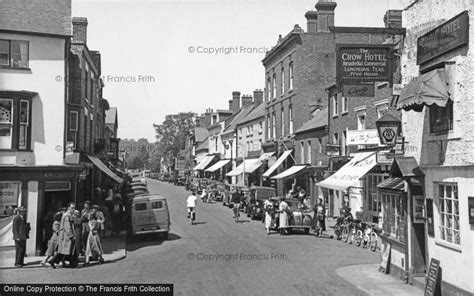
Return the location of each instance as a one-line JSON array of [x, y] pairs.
[[20, 234], [66, 239]]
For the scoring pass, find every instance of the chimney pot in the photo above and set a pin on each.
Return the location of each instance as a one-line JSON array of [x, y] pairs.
[[258, 97], [79, 30], [325, 14]]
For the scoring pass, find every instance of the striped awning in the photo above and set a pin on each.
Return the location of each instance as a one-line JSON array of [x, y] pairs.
[[98, 163], [217, 165], [291, 172], [204, 163], [280, 160], [248, 166]]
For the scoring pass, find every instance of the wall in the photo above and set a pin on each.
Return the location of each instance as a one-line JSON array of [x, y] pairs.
[[46, 77], [454, 163]]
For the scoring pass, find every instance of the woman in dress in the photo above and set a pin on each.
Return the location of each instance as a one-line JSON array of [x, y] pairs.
[[268, 206], [283, 210], [52, 249], [94, 246], [320, 215]]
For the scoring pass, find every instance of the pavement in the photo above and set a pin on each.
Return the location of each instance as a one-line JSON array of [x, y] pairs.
[[367, 278], [114, 249]]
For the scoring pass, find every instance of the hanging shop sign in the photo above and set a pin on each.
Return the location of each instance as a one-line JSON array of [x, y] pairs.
[[356, 90], [446, 37], [8, 197], [363, 137], [363, 64]]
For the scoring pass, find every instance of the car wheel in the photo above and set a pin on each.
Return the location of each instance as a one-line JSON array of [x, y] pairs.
[[306, 231]]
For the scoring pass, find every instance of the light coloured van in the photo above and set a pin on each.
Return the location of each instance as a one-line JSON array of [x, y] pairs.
[[150, 214]]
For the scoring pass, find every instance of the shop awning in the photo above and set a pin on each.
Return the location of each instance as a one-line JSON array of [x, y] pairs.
[[280, 160], [249, 165], [427, 89], [218, 165], [351, 172], [291, 172], [204, 163], [392, 184], [98, 163]]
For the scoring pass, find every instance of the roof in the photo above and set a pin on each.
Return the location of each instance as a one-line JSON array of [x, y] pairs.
[[50, 17], [320, 119], [392, 184], [200, 134], [204, 145], [111, 115], [238, 118], [406, 167], [257, 112]]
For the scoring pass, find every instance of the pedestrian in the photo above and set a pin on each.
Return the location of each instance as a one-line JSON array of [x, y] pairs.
[[269, 214], [20, 234], [101, 218], [117, 215], [66, 242], [320, 215], [85, 225], [94, 245], [52, 249], [301, 194], [77, 231], [283, 210]]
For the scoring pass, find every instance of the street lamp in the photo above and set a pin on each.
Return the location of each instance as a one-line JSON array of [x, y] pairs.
[[388, 127]]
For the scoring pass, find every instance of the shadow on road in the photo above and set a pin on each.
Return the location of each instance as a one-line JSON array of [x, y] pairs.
[[136, 243], [197, 223]]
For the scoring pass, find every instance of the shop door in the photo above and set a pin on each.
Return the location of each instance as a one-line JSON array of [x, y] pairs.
[[418, 235]]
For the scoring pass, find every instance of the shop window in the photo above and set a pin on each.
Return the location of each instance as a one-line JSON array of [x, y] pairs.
[[441, 118], [14, 53], [9, 192], [449, 213], [394, 215], [15, 127], [335, 138]]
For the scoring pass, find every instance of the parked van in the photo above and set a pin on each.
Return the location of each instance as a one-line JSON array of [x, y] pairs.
[[150, 214]]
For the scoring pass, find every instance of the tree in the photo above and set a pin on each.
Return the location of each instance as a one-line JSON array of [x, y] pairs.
[[172, 133], [137, 152]]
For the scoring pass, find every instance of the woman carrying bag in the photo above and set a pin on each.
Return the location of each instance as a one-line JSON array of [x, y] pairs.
[[94, 246]]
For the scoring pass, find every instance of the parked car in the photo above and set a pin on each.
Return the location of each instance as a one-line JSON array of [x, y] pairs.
[[258, 195], [181, 181], [230, 188], [300, 218]]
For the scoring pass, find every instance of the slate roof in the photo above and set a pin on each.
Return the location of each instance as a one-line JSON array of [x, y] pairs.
[[320, 119], [200, 134], [257, 112]]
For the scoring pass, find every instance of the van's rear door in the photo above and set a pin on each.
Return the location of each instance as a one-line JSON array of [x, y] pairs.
[[142, 219], [159, 210]]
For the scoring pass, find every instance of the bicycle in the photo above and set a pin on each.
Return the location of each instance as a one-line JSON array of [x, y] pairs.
[[370, 238], [360, 235]]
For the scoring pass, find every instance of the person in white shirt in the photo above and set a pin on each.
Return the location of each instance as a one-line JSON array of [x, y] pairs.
[[191, 203]]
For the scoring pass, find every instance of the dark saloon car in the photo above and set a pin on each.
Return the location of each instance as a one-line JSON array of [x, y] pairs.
[[257, 197]]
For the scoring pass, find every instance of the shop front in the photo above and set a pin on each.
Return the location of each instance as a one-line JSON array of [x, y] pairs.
[[42, 190]]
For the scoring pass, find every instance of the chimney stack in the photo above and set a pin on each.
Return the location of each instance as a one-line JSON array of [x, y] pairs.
[[207, 119], [325, 15], [230, 105], [246, 101], [235, 101], [79, 30], [258, 97], [393, 18], [311, 21]]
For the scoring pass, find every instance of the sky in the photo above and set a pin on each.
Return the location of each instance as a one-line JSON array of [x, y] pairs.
[[163, 57]]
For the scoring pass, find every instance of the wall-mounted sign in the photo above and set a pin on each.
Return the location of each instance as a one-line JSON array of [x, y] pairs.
[[385, 157], [332, 150], [471, 209], [59, 175], [8, 197], [444, 38], [358, 90], [397, 89], [363, 137], [418, 209], [362, 64]]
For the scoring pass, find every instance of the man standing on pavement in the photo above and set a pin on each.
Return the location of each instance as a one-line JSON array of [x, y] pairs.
[[20, 234], [66, 243]]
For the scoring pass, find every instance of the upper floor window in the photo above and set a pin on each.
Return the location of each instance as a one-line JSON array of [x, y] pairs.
[[344, 105], [73, 128], [291, 76], [302, 152], [15, 123], [441, 118], [14, 53], [308, 151], [381, 109], [269, 89], [274, 85], [290, 113], [282, 81], [361, 120], [320, 145], [335, 105], [282, 121], [273, 125], [335, 138], [269, 127]]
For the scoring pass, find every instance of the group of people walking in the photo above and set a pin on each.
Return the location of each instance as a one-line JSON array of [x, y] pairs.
[[75, 233]]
